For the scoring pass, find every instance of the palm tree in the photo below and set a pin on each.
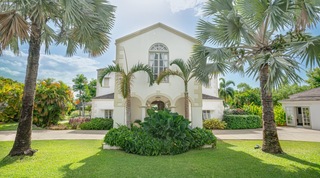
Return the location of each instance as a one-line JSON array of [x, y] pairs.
[[225, 91], [187, 71], [76, 24], [269, 37], [125, 82]]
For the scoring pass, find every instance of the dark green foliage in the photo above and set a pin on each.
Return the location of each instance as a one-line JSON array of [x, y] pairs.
[[162, 133], [97, 124], [242, 121], [237, 111]]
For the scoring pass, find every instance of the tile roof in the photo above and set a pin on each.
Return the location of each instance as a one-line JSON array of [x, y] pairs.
[[208, 97], [309, 95], [107, 96]]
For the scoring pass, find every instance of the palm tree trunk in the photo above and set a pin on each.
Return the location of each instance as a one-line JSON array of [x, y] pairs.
[[186, 100], [128, 109], [270, 137], [22, 143]]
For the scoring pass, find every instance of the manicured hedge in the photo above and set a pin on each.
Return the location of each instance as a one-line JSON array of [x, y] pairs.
[[162, 133], [242, 121], [97, 124]]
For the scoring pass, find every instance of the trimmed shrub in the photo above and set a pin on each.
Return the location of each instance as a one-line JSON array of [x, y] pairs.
[[97, 124], [162, 133], [237, 111], [214, 124], [242, 121], [75, 122]]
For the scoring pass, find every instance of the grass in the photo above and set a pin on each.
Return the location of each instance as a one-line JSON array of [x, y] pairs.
[[234, 158], [14, 126]]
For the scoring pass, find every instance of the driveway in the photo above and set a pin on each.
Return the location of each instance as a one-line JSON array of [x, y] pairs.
[[284, 133]]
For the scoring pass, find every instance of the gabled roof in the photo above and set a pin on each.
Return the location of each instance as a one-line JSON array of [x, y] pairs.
[[208, 97], [309, 95], [152, 27], [107, 96]]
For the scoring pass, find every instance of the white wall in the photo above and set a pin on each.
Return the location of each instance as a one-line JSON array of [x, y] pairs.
[[101, 90], [215, 106], [315, 116], [99, 105], [212, 89]]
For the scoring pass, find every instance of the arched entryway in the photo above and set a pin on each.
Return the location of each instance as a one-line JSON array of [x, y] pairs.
[[158, 105]]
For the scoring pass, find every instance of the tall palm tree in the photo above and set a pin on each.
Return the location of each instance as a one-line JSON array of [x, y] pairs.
[[225, 91], [125, 82], [74, 23], [269, 37], [187, 71]]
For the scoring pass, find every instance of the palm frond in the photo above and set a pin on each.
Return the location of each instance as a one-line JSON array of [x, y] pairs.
[[167, 73], [185, 70], [142, 68], [108, 70], [12, 24], [307, 50], [213, 6], [306, 13]]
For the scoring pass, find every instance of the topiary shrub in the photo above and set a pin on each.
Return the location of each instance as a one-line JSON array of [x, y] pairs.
[[242, 121], [162, 133], [214, 124], [237, 111], [97, 124]]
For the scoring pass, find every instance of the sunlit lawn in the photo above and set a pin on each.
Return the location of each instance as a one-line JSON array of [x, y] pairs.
[[13, 126], [84, 158]]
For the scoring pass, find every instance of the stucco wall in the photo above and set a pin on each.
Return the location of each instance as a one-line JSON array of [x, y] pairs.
[[215, 106], [99, 105], [315, 116]]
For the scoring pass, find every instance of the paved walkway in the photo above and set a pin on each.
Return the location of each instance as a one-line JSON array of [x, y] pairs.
[[285, 133]]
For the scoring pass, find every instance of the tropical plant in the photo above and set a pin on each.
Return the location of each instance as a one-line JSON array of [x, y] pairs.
[[214, 124], [314, 77], [187, 71], [246, 97], [10, 99], [81, 85], [162, 133], [97, 124], [225, 91], [52, 101], [74, 23], [268, 38], [125, 81], [92, 87]]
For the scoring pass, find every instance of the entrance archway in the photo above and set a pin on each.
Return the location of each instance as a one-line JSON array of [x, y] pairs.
[[158, 105]]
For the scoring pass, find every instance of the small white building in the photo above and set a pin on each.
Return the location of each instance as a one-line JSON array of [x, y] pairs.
[[157, 46], [303, 109]]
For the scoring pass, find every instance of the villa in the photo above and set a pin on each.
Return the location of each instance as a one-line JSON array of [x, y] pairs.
[[156, 45]]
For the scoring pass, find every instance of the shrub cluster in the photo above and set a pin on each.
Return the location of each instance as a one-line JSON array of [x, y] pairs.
[[75, 122], [97, 124], [237, 111], [242, 121], [162, 133], [279, 115], [214, 124]]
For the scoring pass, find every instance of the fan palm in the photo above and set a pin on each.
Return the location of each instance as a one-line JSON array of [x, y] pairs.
[[74, 23], [269, 37], [225, 91], [187, 71], [125, 82]]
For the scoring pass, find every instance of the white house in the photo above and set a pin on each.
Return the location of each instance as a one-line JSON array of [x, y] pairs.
[[303, 109], [157, 46]]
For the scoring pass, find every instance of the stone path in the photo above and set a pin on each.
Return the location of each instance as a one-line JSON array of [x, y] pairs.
[[285, 133]]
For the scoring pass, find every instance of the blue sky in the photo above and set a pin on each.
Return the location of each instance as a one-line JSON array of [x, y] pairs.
[[131, 15]]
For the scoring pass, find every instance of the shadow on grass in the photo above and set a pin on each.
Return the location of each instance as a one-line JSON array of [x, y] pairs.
[[225, 161], [297, 160]]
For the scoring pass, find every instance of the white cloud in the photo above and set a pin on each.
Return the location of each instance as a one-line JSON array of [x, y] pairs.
[[180, 5], [9, 71]]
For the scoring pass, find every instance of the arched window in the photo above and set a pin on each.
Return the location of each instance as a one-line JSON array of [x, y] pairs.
[[159, 59]]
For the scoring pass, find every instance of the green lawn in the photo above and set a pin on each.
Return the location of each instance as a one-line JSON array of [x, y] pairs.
[[84, 158], [13, 126]]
